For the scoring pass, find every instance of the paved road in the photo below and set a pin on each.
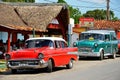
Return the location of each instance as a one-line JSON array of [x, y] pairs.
[[85, 69]]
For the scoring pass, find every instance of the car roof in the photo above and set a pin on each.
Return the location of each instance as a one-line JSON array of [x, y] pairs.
[[47, 38], [99, 31]]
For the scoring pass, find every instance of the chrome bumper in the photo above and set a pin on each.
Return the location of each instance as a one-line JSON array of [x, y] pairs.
[[41, 64]]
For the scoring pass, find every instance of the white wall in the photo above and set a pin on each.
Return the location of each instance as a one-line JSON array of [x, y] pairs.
[[75, 37]]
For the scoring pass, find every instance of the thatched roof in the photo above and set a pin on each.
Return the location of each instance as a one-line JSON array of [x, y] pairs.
[[25, 16], [8, 17]]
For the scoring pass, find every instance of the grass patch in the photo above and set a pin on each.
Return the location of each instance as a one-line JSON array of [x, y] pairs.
[[2, 63]]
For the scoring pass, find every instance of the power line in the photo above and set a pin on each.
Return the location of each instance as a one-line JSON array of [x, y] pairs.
[[78, 6], [50, 1], [90, 6], [88, 1], [116, 9], [92, 3], [86, 6]]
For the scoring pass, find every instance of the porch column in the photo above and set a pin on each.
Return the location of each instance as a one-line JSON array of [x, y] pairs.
[[62, 27], [41, 35], [8, 43], [26, 36], [14, 37]]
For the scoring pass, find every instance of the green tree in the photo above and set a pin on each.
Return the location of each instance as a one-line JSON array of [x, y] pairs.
[[112, 15], [61, 1], [74, 12], [115, 19], [99, 14], [18, 1]]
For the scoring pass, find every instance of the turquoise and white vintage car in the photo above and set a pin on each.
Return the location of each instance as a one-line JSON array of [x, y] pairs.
[[97, 43]]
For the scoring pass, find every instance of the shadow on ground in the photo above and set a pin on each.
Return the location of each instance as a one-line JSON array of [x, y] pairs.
[[32, 71], [96, 58]]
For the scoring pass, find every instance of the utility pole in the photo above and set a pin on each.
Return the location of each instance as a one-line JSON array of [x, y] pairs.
[[108, 12]]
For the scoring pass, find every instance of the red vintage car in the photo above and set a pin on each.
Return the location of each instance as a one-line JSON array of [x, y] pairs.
[[43, 52]]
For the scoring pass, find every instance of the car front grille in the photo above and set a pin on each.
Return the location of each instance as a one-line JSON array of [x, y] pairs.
[[85, 49], [27, 62]]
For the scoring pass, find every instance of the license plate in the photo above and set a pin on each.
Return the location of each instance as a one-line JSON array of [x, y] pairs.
[[22, 64], [84, 52]]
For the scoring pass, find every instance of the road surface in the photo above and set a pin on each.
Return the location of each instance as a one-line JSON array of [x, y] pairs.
[[84, 69]]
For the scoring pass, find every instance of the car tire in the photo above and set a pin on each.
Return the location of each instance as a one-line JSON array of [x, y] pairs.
[[50, 66], [14, 71], [113, 56], [70, 64], [101, 55]]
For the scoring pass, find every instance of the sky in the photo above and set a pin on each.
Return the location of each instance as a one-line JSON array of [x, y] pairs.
[[86, 5]]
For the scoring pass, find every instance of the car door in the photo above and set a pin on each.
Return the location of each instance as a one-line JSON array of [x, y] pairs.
[[114, 45], [108, 45], [59, 55], [66, 50]]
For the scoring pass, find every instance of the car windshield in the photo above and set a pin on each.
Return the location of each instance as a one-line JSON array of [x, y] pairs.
[[91, 36], [38, 43]]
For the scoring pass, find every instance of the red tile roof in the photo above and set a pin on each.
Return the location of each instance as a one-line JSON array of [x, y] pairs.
[[104, 24]]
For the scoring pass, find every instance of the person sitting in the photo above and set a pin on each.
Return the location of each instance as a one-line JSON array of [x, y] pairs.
[[2, 49]]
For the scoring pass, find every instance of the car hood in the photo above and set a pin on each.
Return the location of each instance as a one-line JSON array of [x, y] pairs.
[[27, 53], [87, 43]]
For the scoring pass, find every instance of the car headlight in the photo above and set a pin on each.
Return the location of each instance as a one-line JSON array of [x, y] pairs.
[[7, 56], [40, 56], [74, 44], [95, 44]]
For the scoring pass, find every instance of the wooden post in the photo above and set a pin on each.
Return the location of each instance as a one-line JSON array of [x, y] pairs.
[[108, 12], [14, 37], [8, 43], [26, 36]]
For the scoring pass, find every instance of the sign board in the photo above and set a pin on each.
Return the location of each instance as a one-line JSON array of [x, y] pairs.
[[86, 22]]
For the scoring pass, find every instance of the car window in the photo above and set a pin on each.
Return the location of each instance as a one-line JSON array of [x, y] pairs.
[[51, 44], [92, 36], [107, 37], [63, 44], [57, 45], [113, 37], [38, 43], [60, 44]]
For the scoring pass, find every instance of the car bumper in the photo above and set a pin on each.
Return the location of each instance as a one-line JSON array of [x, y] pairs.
[[89, 54], [40, 64]]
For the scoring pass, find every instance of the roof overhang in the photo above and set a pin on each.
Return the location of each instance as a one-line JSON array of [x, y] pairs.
[[26, 16]]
